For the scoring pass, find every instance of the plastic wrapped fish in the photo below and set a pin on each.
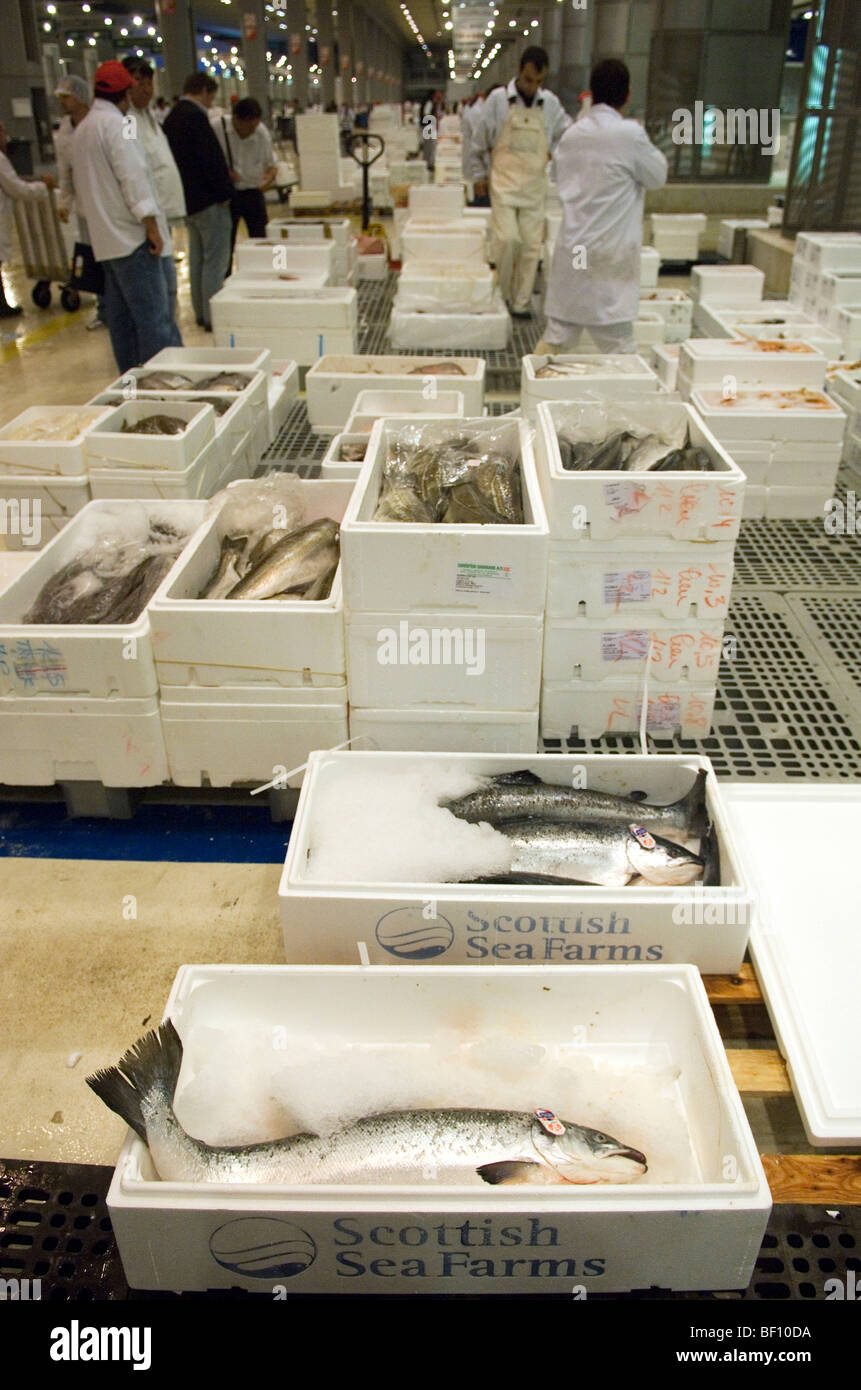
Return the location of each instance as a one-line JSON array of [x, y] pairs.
[[155, 424]]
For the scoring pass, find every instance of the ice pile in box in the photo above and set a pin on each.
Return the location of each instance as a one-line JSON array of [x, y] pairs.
[[640, 573], [444, 619]]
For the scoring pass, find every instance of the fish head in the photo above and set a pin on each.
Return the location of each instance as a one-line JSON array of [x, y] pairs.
[[578, 1154], [661, 861]]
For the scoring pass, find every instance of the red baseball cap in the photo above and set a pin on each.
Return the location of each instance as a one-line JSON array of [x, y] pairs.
[[111, 77]]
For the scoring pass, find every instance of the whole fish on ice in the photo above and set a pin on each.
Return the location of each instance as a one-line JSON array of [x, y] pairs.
[[603, 853], [502, 1146]]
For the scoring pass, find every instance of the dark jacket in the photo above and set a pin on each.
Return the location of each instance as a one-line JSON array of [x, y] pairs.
[[201, 164]]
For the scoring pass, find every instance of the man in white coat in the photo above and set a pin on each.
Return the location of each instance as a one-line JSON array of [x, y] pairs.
[[13, 188], [603, 166], [520, 126]]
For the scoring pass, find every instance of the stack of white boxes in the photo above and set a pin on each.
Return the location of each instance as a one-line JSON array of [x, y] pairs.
[[640, 574], [333, 384], [448, 162], [772, 319], [845, 388], [319, 139], [674, 307], [292, 322], [728, 363], [308, 265], [43, 482], [444, 622], [718, 286], [676, 235], [732, 236], [826, 282], [788, 442], [587, 374], [79, 701], [248, 687], [301, 231]]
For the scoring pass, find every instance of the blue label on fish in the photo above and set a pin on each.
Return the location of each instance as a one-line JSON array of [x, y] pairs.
[[548, 1120], [641, 833]]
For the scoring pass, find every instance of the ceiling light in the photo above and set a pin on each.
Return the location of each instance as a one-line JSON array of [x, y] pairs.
[[70, 43], [151, 31], [125, 33], [46, 26], [91, 42], [52, 9], [108, 19], [86, 8], [136, 19]]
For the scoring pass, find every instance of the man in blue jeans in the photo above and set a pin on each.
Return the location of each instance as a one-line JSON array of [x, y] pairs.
[[208, 189], [128, 229]]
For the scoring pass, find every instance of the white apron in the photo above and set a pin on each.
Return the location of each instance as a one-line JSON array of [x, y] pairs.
[[518, 171]]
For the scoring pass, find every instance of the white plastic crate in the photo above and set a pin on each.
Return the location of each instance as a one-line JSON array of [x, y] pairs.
[[35, 510], [485, 331], [704, 1231], [117, 742], [640, 577], [605, 506], [333, 383], [108, 447], [444, 729], [492, 661], [625, 647], [236, 734], [436, 567], [727, 284], [249, 642], [57, 661], [324, 920], [589, 710], [603, 376], [770, 415], [443, 286], [709, 362], [63, 458]]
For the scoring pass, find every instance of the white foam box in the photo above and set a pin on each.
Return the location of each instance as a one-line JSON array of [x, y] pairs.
[[265, 305], [492, 661], [708, 362], [304, 345], [59, 660], [852, 452], [679, 222], [649, 328], [778, 464], [421, 568], [282, 394], [427, 201], [676, 246], [674, 307], [591, 709], [818, 337], [214, 467], [603, 376], [279, 256], [677, 580], [236, 412], [441, 285], [845, 387], [334, 464], [34, 510], [486, 331], [323, 921], [249, 642], [841, 253], [625, 647], [236, 734], [373, 266], [333, 383], [63, 458], [443, 242], [837, 289], [107, 446], [796, 416], [611, 506], [848, 326], [700, 1230], [304, 229], [374, 405], [727, 284], [445, 729], [727, 232], [314, 199], [666, 364], [117, 742], [650, 264], [212, 358]]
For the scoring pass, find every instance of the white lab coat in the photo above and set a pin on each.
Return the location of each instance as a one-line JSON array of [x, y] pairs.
[[603, 166], [469, 119], [12, 187], [495, 111]]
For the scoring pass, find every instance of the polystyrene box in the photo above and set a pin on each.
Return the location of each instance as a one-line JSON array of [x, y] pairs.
[[708, 362], [278, 256], [236, 734], [488, 569], [625, 647], [640, 577], [374, 405], [727, 284], [727, 232], [107, 446], [848, 325], [605, 506], [794, 416], [430, 243], [428, 201], [334, 382], [839, 287], [666, 364], [650, 264], [212, 358], [492, 661], [439, 285], [445, 728], [213, 468], [35, 456], [282, 306], [335, 465], [117, 742], [249, 642], [678, 222], [842, 254], [676, 246], [373, 266], [704, 1229], [304, 345], [324, 920], [484, 331], [815, 334], [87, 659], [599, 375], [649, 328], [591, 709], [301, 229], [673, 306], [36, 509]]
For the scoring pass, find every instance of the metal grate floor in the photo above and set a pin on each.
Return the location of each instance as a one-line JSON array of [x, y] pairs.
[[831, 619], [797, 554]]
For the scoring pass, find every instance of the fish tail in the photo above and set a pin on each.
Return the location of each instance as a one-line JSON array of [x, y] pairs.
[[152, 1063], [710, 854], [693, 805]]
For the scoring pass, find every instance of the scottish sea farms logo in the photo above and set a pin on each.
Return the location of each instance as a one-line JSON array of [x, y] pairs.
[[262, 1247], [409, 934]]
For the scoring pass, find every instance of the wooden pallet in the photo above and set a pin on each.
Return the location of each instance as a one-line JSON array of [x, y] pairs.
[[812, 1177]]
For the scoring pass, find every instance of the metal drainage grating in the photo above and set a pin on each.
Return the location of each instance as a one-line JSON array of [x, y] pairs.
[[296, 447], [831, 619], [778, 716], [54, 1227]]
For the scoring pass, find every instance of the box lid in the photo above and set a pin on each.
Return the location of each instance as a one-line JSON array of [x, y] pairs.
[[805, 941]]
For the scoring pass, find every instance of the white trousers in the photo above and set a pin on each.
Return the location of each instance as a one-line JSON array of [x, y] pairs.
[[516, 238], [608, 337]]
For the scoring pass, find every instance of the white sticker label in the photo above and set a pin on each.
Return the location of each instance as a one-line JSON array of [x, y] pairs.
[[665, 713], [633, 586], [482, 579], [626, 498], [624, 646]]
